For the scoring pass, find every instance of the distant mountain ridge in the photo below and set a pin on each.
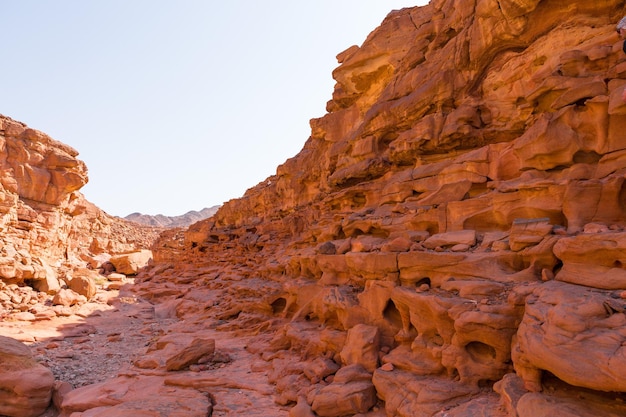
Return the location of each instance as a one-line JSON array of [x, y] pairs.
[[161, 220]]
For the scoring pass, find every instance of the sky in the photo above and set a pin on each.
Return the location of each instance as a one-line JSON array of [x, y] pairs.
[[177, 105]]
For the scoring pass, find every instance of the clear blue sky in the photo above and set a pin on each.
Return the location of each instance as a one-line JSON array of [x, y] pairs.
[[177, 105]]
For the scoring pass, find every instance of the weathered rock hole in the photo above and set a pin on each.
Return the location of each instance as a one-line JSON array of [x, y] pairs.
[[486, 383], [618, 264], [481, 352], [582, 157], [437, 340], [278, 306], [358, 200], [392, 315], [425, 280], [582, 101]]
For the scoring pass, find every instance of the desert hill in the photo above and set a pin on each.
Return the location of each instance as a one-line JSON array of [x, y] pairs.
[[450, 241], [163, 221]]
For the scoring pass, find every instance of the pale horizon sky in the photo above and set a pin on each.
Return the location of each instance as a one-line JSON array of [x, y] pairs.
[[177, 106]]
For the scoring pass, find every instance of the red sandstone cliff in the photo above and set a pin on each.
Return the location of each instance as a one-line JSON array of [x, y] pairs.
[[451, 236], [48, 229]]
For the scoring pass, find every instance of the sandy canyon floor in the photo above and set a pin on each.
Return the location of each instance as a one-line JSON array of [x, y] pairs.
[[103, 339]]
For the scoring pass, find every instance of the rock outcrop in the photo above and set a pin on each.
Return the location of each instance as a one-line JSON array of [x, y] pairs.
[[49, 231], [452, 231]]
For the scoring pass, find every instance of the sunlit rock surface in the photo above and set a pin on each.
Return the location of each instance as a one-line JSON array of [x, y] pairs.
[[464, 196], [449, 241]]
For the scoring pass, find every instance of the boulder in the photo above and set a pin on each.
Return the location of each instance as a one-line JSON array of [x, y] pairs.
[[131, 263], [66, 297], [84, 283], [362, 347], [25, 385], [351, 392], [176, 352], [135, 396], [576, 333]]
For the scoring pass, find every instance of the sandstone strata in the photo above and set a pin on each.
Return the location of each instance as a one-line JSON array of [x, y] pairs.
[[184, 220], [464, 198], [449, 242]]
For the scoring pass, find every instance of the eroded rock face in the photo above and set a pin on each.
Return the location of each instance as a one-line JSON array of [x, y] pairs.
[[449, 242], [464, 196], [48, 229]]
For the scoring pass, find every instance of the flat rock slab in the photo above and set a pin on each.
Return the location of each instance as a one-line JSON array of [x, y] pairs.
[[137, 396]]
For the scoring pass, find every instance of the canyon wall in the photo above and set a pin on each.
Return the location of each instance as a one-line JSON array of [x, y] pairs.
[[48, 229], [451, 238]]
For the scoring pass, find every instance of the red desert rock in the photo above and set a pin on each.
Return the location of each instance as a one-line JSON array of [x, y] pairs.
[[449, 241], [25, 385]]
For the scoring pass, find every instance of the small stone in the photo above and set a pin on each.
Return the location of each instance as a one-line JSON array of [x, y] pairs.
[[547, 275], [461, 247], [116, 277], [388, 367]]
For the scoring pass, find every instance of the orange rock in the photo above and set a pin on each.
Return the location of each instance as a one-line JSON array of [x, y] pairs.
[[84, 283], [131, 263], [25, 385], [362, 346], [568, 331], [125, 395], [350, 392]]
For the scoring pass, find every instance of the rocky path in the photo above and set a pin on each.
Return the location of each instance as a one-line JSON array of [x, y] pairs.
[[96, 350]]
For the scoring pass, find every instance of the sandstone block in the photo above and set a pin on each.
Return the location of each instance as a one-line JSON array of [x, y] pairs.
[[406, 394], [66, 297], [49, 284], [575, 405], [593, 260], [131, 263], [351, 392], [176, 352], [180, 357], [126, 396], [466, 237], [528, 232], [25, 385], [84, 283], [576, 334], [362, 347]]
